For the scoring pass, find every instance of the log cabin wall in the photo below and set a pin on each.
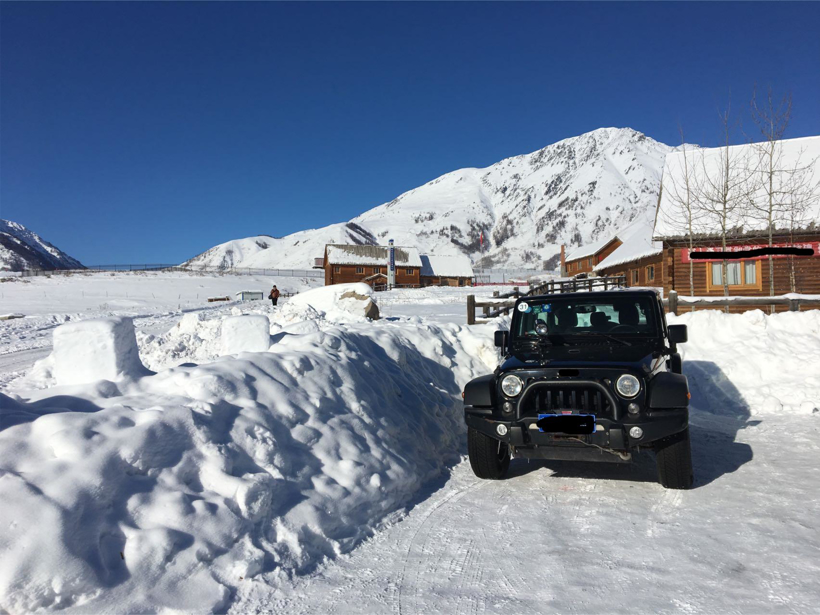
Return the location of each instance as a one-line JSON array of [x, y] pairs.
[[587, 263], [348, 274], [648, 271], [752, 283]]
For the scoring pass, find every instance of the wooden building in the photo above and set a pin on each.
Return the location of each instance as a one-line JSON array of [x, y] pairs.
[[749, 274], [446, 270], [585, 258], [639, 258], [345, 264]]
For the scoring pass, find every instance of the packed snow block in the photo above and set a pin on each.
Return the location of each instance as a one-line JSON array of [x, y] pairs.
[[249, 333], [98, 349]]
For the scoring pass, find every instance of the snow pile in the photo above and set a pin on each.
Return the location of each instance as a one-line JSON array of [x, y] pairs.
[[169, 491], [356, 299], [249, 333], [753, 363]]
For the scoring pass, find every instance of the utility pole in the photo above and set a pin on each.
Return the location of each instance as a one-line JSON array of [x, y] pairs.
[[391, 266]]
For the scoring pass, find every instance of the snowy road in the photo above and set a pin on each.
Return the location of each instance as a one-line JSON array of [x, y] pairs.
[[593, 538]]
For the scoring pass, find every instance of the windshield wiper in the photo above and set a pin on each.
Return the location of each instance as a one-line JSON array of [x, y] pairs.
[[604, 335]]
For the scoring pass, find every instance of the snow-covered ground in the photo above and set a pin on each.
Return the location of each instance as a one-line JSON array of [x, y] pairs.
[[328, 475], [154, 300]]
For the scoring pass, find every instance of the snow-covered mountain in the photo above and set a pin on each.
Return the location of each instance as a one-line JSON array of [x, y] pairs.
[[572, 192], [22, 249]]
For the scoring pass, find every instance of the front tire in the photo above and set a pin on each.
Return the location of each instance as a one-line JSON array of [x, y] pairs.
[[489, 458], [674, 458]]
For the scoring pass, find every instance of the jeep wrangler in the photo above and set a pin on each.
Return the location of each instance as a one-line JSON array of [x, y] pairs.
[[591, 376]]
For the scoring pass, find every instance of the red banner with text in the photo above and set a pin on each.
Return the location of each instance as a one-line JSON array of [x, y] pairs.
[[812, 246]]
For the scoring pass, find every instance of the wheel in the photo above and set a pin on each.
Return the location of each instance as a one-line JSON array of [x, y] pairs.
[[489, 457], [674, 457]]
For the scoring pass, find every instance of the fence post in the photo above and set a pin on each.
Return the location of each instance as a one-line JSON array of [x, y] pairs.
[[673, 302], [515, 290], [470, 309], [495, 293], [794, 305], [486, 311]]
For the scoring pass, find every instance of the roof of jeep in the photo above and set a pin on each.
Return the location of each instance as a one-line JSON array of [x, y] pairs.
[[603, 294]]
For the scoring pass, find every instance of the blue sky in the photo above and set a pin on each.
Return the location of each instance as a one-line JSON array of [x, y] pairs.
[[148, 132]]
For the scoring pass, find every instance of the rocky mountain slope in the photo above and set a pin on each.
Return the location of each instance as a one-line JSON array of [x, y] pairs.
[[22, 250], [572, 192]]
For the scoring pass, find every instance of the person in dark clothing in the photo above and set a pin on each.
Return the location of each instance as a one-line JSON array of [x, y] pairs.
[[274, 295]]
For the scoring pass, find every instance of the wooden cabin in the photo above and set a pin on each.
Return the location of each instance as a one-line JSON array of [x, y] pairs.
[[345, 264], [446, 270], [750, 275], [639, 259], [585, 258]]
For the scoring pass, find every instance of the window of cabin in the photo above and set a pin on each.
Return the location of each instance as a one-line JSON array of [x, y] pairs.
[[589, 261], [337, 270], [377, 269], [740, 274], [635, 276], [750, 272], [408, 271], [650, 272], [359, 269]]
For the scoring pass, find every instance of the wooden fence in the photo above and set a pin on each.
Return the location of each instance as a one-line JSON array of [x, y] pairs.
[[674, 302]]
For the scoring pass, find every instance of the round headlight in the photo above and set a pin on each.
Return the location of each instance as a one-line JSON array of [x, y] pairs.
[[628, 385], [511, 385]]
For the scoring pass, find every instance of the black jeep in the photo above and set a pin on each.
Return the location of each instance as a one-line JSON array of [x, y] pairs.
[[586, 376]]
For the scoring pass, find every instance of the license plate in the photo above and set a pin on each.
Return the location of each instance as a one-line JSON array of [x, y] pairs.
[[566, 423]]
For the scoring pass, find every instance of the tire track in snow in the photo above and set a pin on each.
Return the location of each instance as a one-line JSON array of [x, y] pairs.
[[451, 498]]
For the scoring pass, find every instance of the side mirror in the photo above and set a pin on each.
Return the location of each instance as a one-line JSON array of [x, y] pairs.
[[678, 334], [501, 338]]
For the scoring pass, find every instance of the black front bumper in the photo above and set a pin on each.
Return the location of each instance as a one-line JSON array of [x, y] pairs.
[[611, 435]]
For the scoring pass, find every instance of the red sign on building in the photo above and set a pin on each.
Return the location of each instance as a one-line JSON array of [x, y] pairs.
[[747, 252]]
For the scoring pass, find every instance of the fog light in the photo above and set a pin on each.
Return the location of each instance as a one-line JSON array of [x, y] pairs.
[[635, 432], [633, 408], [502, 430], [508, 407]]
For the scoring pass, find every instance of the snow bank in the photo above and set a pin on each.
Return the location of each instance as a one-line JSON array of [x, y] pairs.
[[168, 492], [753, 363], [357, 299], [98, 349], [250, 333]]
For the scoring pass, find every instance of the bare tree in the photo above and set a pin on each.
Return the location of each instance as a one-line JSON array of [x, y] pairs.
[[769, 193], [721, 187], [801, 188], [679, 189]]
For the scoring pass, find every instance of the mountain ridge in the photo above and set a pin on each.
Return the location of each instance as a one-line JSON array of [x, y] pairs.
[[570, 192], [21, 249]]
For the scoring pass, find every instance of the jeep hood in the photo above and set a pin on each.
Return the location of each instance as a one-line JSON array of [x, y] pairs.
[[638, 356]]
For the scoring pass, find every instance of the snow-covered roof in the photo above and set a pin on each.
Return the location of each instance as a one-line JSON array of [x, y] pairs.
[[703, 163], [591, 248], [637, 244], [371, 255], [458, 266]]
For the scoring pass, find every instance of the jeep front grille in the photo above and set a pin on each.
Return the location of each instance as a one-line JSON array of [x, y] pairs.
[[547, 397]]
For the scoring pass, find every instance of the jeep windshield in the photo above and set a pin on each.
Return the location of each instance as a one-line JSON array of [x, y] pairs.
[[611, 317]]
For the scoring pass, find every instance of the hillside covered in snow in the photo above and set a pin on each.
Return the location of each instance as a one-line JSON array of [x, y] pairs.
[[572, 192], [22, 250]]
